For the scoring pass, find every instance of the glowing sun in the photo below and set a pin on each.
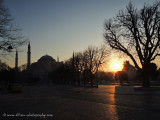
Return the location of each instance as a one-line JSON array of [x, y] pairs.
[[115, 66]]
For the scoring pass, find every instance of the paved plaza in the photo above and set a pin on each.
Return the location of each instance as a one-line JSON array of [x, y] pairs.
[[108, 102]]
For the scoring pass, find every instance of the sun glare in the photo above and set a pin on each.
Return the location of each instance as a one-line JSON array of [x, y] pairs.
[[115, 66]]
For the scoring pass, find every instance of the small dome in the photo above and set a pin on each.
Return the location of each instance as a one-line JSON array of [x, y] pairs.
[[46, 58]]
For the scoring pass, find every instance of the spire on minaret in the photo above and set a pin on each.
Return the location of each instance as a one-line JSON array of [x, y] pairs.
[[57, 58], [16, 60], [29, 56], [73, 53], [73, 60]]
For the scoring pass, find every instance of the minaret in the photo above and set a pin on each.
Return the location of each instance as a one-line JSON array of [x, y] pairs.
[[57, 58], [29, 56], [16, 61]]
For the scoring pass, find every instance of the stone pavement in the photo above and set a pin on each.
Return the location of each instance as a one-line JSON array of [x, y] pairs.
[[108, 102]]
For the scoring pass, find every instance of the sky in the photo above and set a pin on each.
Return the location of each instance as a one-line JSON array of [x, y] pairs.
[[59, 27]]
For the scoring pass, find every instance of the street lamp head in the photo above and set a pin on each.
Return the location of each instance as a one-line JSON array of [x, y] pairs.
[[10, 48]]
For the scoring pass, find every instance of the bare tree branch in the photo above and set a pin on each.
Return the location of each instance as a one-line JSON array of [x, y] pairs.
[[10, 34], [136, 33]]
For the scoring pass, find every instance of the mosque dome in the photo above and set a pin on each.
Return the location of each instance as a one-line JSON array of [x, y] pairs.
[[47, 58]]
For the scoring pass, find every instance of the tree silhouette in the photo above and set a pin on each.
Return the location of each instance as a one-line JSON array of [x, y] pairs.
[[78, 65], [86, 63], [10, 34], [153, 71], [4, 66], [95, 57], [23, 67], [137, 34], [6, 75]]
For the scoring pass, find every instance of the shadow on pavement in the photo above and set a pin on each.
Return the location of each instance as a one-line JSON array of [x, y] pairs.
[[137, 104]]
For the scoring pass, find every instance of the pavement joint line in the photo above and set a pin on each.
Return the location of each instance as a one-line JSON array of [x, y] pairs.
[[135, 94]]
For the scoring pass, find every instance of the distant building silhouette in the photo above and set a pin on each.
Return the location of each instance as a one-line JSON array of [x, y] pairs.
[[40, 70], [29, 56], [129, 70]]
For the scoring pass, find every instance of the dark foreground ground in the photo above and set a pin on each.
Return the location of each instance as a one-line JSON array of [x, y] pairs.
[[108, 102]]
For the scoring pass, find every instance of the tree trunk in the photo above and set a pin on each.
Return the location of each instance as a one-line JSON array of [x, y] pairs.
[[146, 82], [91, 78], [145, 75], [84, 78], [78, 80], [96, 80]]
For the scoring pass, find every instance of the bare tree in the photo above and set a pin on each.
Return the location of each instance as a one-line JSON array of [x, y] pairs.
[[78, 65], [87, 63], [84, 66], [137, 34], [95, 58], [23, 67], [10, 34], [4, 66]]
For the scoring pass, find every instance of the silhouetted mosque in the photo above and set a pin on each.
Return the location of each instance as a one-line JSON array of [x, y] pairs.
[[40, 70]]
